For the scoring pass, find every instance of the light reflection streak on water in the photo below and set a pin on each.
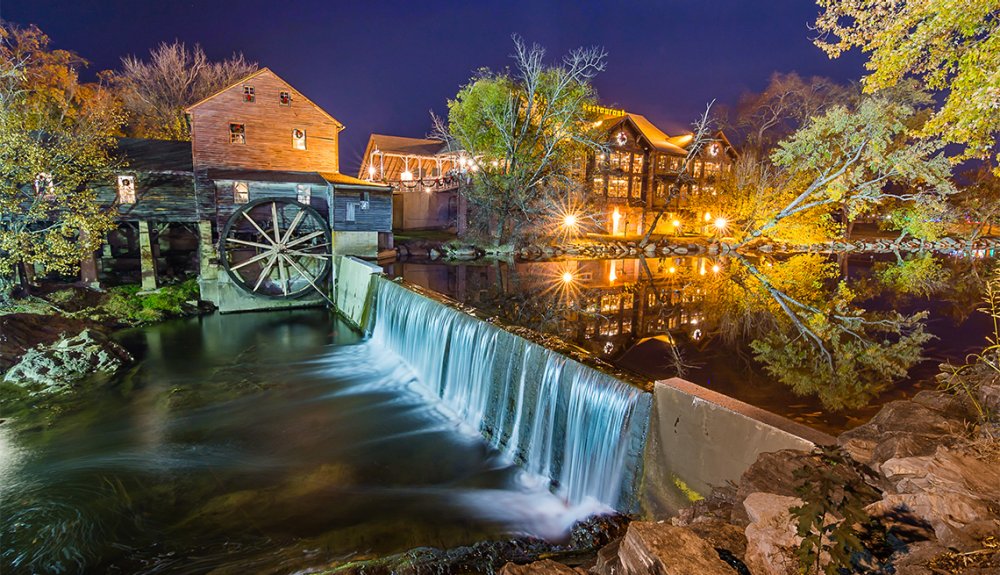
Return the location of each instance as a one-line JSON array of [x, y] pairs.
[[345, 437]]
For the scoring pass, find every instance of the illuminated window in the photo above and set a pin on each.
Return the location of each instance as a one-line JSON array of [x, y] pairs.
[[599, 185], [44, 186], [696, 172], [303, 193], [619, 160], [126, 189], [237, 134], [636, 186], [711, 169], [241, 192], [617, 188], [248, 94], [299, 139], [636, 162], [284, 98]]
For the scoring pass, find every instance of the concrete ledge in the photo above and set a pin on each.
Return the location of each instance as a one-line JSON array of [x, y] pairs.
[[354, 289], [700, 439]]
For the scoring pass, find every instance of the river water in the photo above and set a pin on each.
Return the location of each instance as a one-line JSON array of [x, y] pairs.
[[636, 313], [254, 443]]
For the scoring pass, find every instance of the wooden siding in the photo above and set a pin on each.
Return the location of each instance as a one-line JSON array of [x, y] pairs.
[[377, 218], [225, 206], [159, 197], [268, 127]]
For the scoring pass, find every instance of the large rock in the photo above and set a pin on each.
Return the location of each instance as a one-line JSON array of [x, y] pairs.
[[771, 535], [543, 567], [908, 428], [956, 495], [782, 473], [664, 549], [54, 368], [20, 332]]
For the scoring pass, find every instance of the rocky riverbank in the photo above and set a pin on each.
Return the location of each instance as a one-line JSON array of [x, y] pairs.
[[918, 487], [52, 340]]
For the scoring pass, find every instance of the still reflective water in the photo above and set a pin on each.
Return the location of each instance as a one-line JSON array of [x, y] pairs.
[[697, 316], [253, 443]]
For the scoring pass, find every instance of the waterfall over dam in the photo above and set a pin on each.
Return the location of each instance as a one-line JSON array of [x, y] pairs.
[[582, 429]]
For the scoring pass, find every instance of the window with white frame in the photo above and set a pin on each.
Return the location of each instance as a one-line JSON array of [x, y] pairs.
[[44, 186], [303, 193], [126, 189], [237, 134], [241, 192], [299, 139], [248, 94], [285, 98]]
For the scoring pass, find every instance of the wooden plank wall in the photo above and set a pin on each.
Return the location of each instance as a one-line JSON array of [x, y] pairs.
[[160, 197], [269, 128], [377, 218]]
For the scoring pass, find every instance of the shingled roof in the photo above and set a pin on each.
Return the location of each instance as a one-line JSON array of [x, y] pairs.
[[401, 145], [145, 155]]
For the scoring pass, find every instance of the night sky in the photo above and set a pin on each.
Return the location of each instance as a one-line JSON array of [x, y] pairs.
[[382, 66]]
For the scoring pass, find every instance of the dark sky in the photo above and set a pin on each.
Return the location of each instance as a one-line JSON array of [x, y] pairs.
[[381, 66]]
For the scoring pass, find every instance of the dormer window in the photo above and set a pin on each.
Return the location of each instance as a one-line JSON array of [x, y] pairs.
[[285, 98], [237, 134], [241, 192], [126, 189], [248, 94], [299, 139]]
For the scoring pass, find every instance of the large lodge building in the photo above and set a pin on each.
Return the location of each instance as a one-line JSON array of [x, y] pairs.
[[626, 185]]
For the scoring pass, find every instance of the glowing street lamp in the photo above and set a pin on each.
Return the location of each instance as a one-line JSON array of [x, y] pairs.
[[721, 223], [570, 221], [371, 172], [567, 277], [715, 268]]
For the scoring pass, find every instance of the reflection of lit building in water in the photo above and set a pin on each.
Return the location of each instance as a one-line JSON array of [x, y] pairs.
[[609, 306]]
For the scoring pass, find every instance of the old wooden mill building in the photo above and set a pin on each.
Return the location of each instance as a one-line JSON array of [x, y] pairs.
[[257, 194]]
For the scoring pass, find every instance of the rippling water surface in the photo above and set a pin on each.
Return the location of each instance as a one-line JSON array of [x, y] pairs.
[[270, 442]]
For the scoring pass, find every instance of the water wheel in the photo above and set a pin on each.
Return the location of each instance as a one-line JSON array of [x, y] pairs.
[[277, 248]]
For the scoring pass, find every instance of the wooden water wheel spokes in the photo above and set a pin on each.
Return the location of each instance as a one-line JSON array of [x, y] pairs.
[[277, 248]]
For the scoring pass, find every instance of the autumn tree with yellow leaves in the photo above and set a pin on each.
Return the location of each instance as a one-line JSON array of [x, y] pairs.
[[56, 134]]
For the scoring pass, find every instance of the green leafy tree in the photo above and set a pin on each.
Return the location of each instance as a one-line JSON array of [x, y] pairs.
[[56, 134], [977, 204], [808, 330], [855, 161], [526, 130], [950, 45]]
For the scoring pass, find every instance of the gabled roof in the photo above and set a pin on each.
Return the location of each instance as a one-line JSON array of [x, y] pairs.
[[653, 136], [254, 75], [656, 137], [399, 145]]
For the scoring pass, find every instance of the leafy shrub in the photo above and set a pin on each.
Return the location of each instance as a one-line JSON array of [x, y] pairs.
[[832, 520], [127, 305]]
